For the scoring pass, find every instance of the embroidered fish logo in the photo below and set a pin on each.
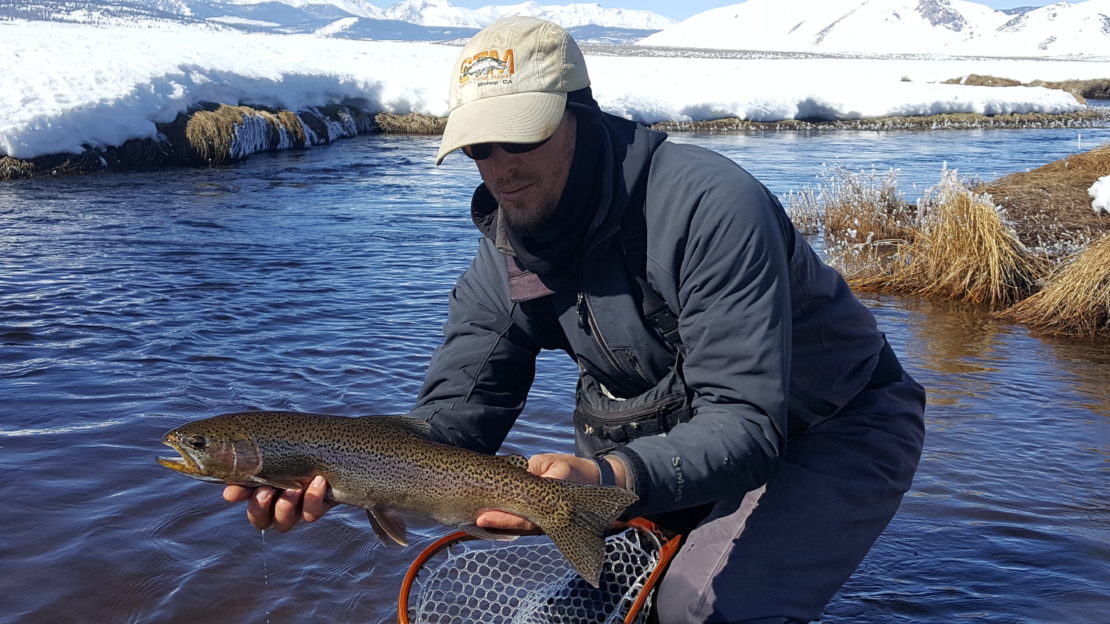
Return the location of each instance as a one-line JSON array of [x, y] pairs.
[[484, 65]]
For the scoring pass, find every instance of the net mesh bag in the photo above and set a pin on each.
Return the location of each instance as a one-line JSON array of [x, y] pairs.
[[530, 581]]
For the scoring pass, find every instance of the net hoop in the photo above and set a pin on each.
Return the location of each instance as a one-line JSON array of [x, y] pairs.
[[667, 547]]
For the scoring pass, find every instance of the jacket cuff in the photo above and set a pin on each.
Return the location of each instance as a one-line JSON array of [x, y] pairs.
[[636, 477]]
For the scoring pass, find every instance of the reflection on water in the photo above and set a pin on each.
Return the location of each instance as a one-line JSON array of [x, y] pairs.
[[317, 281]]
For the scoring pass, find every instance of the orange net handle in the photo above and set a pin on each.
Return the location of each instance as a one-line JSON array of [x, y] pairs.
[[666, 553], [414, 569]]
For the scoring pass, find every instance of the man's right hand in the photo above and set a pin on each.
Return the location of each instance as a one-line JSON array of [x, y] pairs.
[[281, 509]]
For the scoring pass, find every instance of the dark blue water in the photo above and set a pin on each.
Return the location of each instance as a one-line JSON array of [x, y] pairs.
[[318, 281]]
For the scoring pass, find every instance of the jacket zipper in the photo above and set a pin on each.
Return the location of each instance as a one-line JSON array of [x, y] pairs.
[[587, 321]]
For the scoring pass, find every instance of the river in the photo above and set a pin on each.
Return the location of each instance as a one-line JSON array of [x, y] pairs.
[[318, 281]]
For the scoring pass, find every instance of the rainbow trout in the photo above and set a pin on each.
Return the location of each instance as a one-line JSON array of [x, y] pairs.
[[386, 466]]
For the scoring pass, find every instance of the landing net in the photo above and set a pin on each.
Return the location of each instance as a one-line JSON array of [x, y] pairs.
[[530, 581]]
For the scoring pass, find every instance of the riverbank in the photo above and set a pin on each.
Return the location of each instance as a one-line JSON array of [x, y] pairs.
[[220, 134], [124, 105], [1029, 246]]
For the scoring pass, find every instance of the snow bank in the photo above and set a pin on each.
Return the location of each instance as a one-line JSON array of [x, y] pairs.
[[1100, 195], [69, 85]]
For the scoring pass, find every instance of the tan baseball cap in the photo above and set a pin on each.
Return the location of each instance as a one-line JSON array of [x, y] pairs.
[[510, 84]]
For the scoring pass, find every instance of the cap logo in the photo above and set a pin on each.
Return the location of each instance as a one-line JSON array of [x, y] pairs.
[[488, 67]]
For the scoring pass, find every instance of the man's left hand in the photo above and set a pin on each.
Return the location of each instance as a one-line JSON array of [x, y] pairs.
[[551, 466]]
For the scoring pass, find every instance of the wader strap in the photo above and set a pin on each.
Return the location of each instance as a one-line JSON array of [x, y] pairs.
[[656, 310], [634, 249]]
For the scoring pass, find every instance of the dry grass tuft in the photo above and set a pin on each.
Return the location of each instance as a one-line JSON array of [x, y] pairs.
[[1097, 88], [1085, 118], [292, 124], [805, 211], [1076, 299], [1050, 204], [227, 133], [866, 209], [13, 168], [983, 80], [963, 250], [411, 123], [862, 216], [210, 132]]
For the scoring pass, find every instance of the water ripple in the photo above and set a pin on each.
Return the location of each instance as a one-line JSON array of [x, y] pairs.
[[319, 281]]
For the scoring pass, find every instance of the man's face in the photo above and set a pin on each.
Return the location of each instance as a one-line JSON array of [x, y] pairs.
[[528, 186]]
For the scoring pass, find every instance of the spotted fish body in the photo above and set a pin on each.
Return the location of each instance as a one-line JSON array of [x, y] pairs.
[[386, 466]]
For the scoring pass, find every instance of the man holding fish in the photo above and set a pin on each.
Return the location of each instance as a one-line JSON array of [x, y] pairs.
[[728, 378]]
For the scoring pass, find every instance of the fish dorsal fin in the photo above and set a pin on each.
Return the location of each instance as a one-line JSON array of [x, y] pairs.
[[416, 427], [519, 461], [488, 534], [389, 525]]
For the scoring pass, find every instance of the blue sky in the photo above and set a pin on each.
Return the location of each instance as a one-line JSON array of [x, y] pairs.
[[682, 10]]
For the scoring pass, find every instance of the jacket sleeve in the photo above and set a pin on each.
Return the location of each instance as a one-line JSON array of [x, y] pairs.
[[718, 248], [479, 377]]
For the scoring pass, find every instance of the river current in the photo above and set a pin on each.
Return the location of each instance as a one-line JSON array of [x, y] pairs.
[[318, 281]]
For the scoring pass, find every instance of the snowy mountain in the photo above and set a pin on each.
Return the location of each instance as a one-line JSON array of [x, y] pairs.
[[950, 27], [357, 19], [946, 27], [578, 14], [433, 13], [443, 13]]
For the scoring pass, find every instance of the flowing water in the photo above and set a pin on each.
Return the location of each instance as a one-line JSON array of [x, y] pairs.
[[318, 281]]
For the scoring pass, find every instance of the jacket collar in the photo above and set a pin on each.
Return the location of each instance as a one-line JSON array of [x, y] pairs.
[[625, 157]]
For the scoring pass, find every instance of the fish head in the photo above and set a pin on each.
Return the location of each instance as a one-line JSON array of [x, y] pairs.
[[214, 449]]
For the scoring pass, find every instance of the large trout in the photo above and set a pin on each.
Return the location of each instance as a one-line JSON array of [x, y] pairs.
[[386, 466]]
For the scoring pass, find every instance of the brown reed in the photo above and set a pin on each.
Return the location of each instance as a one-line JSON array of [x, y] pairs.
[[410, 123], [1050, 203], [963, 250], [1081, 89], [210, 133], [862, 216], [866, 208], [1075, 299]]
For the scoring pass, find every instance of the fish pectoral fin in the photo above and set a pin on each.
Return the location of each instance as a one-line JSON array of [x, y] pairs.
[[388, 525], [283, 484], [519, 461], [489, 534]]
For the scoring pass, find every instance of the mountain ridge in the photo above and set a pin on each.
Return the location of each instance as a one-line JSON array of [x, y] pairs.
[[935, 27], [948, 27]]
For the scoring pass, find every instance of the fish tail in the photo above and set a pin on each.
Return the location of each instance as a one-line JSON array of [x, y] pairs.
[[580, 533]]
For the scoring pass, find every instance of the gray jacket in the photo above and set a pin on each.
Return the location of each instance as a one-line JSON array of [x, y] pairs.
[[774, 339]]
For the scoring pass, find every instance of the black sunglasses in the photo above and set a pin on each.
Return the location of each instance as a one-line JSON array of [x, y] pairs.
[[482, 151]]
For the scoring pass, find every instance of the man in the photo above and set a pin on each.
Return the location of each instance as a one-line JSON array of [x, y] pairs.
[[728, 377]]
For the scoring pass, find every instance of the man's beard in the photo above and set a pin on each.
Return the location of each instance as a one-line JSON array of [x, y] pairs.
[[530, 221]]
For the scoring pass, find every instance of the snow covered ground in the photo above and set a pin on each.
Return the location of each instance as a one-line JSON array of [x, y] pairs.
[[1100, 195], [68, 85]]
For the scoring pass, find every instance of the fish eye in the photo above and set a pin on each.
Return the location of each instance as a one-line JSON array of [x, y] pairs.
[[197, 441]]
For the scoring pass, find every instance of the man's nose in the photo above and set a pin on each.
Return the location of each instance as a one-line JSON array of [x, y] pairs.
[[501, 161]]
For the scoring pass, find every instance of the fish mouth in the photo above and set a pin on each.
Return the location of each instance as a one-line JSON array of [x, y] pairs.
[[184, 463]]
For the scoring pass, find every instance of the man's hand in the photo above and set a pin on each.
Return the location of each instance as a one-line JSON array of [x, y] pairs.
[[281, 509], [552, 466]]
